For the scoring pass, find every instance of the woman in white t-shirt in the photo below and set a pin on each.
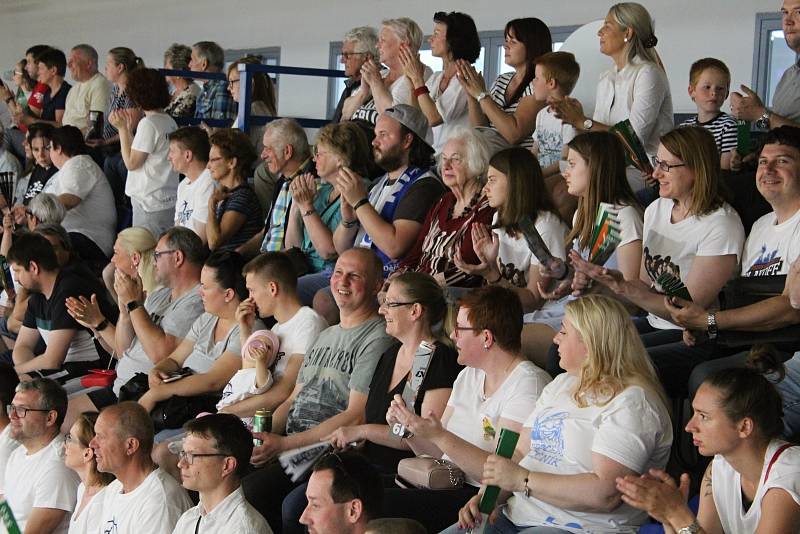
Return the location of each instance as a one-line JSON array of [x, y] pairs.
[[753, 483], [442, 99], [152, 184], [605, 418], [79, 457], [691, 235], [496, 391], [515, 188], [636, 88]]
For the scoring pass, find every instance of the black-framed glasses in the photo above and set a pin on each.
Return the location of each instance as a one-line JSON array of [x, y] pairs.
[[348, 55], [22, 411], [389, 304], [664, 166], [188, 457], [158, 253], [458, 329], [231, 82]]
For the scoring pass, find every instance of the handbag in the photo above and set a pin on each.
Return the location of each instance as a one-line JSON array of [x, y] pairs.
[[175, 411], [426, 472], [133, 389]]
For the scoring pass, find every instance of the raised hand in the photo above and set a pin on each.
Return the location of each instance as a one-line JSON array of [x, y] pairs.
[[569, 110], [747, 106], [304, 189], [471, 80], [85, 311], [413, 69], [350, 186]]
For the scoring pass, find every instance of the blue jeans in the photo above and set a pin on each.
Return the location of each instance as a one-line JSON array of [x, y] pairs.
[[503, 525]]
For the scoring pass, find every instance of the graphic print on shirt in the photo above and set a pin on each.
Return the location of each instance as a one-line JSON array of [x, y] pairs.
[[184, 213], [656, 266], [111, 527], [547, 438], [766, 264], [510, 272]]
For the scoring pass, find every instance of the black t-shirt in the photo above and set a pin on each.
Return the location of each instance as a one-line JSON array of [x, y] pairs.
[[442, 372], [419, 198], [37, 181], [55, 102]]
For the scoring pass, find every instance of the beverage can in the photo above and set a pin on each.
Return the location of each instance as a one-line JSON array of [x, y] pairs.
[[262, 422]]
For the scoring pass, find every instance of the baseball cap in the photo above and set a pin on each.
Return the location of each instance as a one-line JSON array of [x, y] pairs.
[[413, 119]]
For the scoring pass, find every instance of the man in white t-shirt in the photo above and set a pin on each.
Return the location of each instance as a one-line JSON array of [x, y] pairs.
[[272, 284], [215, 456], [40, 489], [91, 90], [772, 246], [143, 498], [188, 154]]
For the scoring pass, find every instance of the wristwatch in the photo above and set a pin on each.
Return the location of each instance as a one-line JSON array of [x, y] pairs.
[[763, 120], [481, 96], [712, 326], [132, 305], [587, 124], [694, 528]]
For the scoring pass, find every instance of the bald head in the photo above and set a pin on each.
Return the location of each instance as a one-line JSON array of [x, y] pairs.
[[370, 262]]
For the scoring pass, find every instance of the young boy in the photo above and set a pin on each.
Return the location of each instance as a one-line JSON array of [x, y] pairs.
[[709, 82], [555, 76]]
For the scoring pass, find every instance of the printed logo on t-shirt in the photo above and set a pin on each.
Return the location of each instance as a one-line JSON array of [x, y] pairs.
[[766, 264], [547, 438], [657, 265], [488, 428], [510, 272], [184, 214], [111, 527]]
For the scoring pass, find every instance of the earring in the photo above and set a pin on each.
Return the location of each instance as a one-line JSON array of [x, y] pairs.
[[486, 346], [625, 40]]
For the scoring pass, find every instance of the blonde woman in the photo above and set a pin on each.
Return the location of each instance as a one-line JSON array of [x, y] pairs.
[[606, 417]]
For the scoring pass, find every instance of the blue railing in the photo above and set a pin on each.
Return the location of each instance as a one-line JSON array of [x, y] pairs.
[[245, 120]]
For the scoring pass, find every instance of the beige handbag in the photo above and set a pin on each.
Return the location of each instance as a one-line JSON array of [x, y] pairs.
[[426, 472]]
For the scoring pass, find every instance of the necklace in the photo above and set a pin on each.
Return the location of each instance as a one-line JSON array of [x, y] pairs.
[[468, 208]]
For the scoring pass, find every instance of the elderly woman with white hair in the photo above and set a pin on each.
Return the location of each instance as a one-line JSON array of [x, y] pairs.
[[447, 228], [383, 89]]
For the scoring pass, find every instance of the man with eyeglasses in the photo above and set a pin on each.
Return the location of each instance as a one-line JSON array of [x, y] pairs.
[[214, 457], [150, 328], [143, 498], [332, 385], [358, 46], [344, 493], [40, 489]]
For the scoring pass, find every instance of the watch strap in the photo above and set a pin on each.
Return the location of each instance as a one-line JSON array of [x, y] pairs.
[[132, 305]]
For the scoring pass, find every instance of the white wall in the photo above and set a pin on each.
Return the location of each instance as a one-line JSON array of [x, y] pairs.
[[686, 29]]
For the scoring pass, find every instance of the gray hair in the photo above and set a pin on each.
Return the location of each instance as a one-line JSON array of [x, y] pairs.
[[188, 242], [211, 52], [633, 16], [179, 56], [288, 132], [47, 208], [365, 39], [406, 30], [51, 396], [88, 51], [476, 153]]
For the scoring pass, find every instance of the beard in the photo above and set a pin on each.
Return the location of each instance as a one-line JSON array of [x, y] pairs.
[[390, 159]]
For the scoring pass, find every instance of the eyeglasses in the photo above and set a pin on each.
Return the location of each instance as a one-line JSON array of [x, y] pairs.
[[389, 304], [158, 253], [664, 166], [348, 55], [212, 160], [454, 160], [22, 411], [315, 151], [231, 82], [458, 329], [188, 457]]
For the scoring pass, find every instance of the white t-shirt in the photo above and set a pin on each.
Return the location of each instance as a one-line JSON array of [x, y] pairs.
[[474, 417], [233, 515], [771, 248], [631, 228], [452, 106], [88, 521], [83, 97], [726, 486], [95, 216], [633, 429], [40, 480], [7, 446], [191, 207], [672, 247], [154, 184], [551, 136], [297, 335], [153, 507]]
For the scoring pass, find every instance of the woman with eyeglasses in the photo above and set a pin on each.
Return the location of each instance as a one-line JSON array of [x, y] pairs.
[[691, 238], [497, 390], [234, 213], [79, 457], [605, 418], [446, 231], [316, 204], [262, 103]]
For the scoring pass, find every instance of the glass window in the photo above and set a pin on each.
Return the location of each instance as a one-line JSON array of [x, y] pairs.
[[771, 56]]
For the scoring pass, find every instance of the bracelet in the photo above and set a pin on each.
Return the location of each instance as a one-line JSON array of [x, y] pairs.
[[102, 325], [10, 98], [526, 490], [349, 224], [421, 90], [360, 203], [308, 212], [492, 282]]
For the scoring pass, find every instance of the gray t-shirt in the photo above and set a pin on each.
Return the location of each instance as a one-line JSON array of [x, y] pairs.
[[786, 100], [341, 360], [205, 351], [174, 318]]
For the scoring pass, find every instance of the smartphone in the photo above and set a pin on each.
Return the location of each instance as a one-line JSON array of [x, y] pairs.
[[177, 375]]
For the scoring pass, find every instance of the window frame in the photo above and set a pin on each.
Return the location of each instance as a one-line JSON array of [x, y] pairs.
[[765, 24]]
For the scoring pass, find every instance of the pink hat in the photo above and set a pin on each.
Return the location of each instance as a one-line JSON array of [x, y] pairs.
[[261, 339]]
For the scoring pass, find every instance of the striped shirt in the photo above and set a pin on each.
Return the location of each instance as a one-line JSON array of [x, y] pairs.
[[498, 95], [723, 127]]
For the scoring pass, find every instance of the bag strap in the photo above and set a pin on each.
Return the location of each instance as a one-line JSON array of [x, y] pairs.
[[775, 458]]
